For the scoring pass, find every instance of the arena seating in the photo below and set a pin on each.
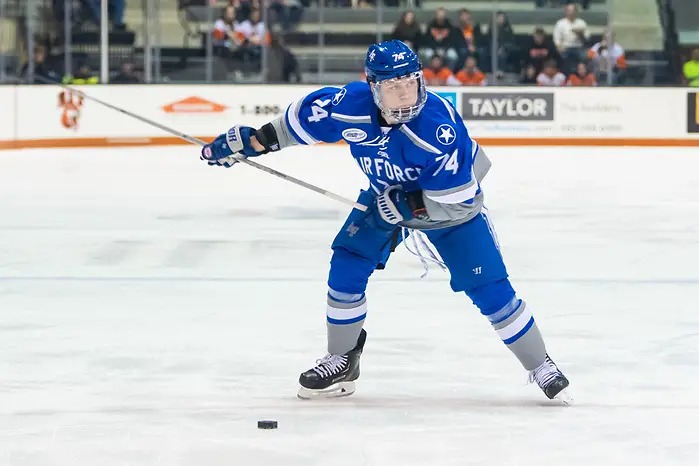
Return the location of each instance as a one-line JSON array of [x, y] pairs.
[[335, 56]]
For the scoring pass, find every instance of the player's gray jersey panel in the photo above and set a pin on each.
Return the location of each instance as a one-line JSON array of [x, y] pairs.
[[284, 136], [443, 193], [481, 164], [351, 118], [446, 215]]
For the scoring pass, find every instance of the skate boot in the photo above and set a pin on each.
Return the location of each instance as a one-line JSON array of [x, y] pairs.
[[551, 380], [334, 375]]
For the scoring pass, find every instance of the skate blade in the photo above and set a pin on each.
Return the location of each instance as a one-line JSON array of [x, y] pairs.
[[564, 397], [334, 391]]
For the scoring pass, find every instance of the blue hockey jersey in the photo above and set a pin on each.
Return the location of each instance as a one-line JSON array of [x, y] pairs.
[[433, 152]]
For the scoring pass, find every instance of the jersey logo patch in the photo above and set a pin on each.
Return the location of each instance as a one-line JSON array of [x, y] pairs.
[[354, 135], [445, 134], [339, 96]]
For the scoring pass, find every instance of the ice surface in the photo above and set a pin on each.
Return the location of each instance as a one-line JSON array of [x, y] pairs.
[[152, 309]]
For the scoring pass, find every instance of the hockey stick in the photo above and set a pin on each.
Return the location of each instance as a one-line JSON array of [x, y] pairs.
[[199, 142]]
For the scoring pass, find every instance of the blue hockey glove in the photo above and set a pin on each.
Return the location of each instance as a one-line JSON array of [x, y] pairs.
[[235, 141], [391, 208]]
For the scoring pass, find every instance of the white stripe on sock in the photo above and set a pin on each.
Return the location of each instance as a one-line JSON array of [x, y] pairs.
[[515, 326], [346, 314]]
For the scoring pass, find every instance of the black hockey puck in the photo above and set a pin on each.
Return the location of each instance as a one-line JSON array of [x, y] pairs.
[[267, 424]]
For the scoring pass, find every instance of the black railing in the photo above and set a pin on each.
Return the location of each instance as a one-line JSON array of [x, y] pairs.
[[671, 42]]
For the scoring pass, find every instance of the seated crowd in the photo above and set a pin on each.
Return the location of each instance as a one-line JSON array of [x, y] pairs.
[[460, 55], [240, 34]]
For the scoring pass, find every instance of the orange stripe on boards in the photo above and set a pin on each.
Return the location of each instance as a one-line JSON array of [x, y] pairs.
[[96, 142], [504, 142], [597, 142]]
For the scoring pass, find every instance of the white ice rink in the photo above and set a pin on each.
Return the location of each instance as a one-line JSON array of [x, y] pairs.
[[153, 309]]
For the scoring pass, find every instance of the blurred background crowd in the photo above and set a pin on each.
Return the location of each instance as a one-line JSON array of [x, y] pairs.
[[460, 42]]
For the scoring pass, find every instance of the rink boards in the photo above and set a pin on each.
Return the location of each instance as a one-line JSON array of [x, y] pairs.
[[49, 116]]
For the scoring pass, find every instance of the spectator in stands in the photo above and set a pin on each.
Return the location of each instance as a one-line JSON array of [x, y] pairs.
[[582, 77], [570, 36], [437, 74], [127, 75], [608, 55], [529, 75], [282, 65], [471, 33], [407, 30], [41, 68], [254, 37], [539, 50], [470, 75], [691, 69], [441, 38], [224, 34], [550, 76], [501, 30], [84, 75], [116, 11]]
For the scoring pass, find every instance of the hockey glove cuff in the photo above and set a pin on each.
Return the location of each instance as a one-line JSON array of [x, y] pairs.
[[235, 141], [392, 208]]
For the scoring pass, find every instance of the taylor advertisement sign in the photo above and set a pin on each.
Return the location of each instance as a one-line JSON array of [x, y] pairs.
[[519, 106]]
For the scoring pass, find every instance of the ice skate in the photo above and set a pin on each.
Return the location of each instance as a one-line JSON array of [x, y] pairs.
[[334, 375], [551, 381]]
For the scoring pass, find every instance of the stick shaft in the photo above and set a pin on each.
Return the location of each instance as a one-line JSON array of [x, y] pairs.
[[199, 142]]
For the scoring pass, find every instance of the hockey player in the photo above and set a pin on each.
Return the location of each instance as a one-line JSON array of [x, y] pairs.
[[424, 175]]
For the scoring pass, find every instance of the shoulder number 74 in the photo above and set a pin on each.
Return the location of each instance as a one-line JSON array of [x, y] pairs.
[[317, 109]]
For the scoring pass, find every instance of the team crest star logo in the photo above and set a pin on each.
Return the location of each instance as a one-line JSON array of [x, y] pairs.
[[339, 96], [445, 134]]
